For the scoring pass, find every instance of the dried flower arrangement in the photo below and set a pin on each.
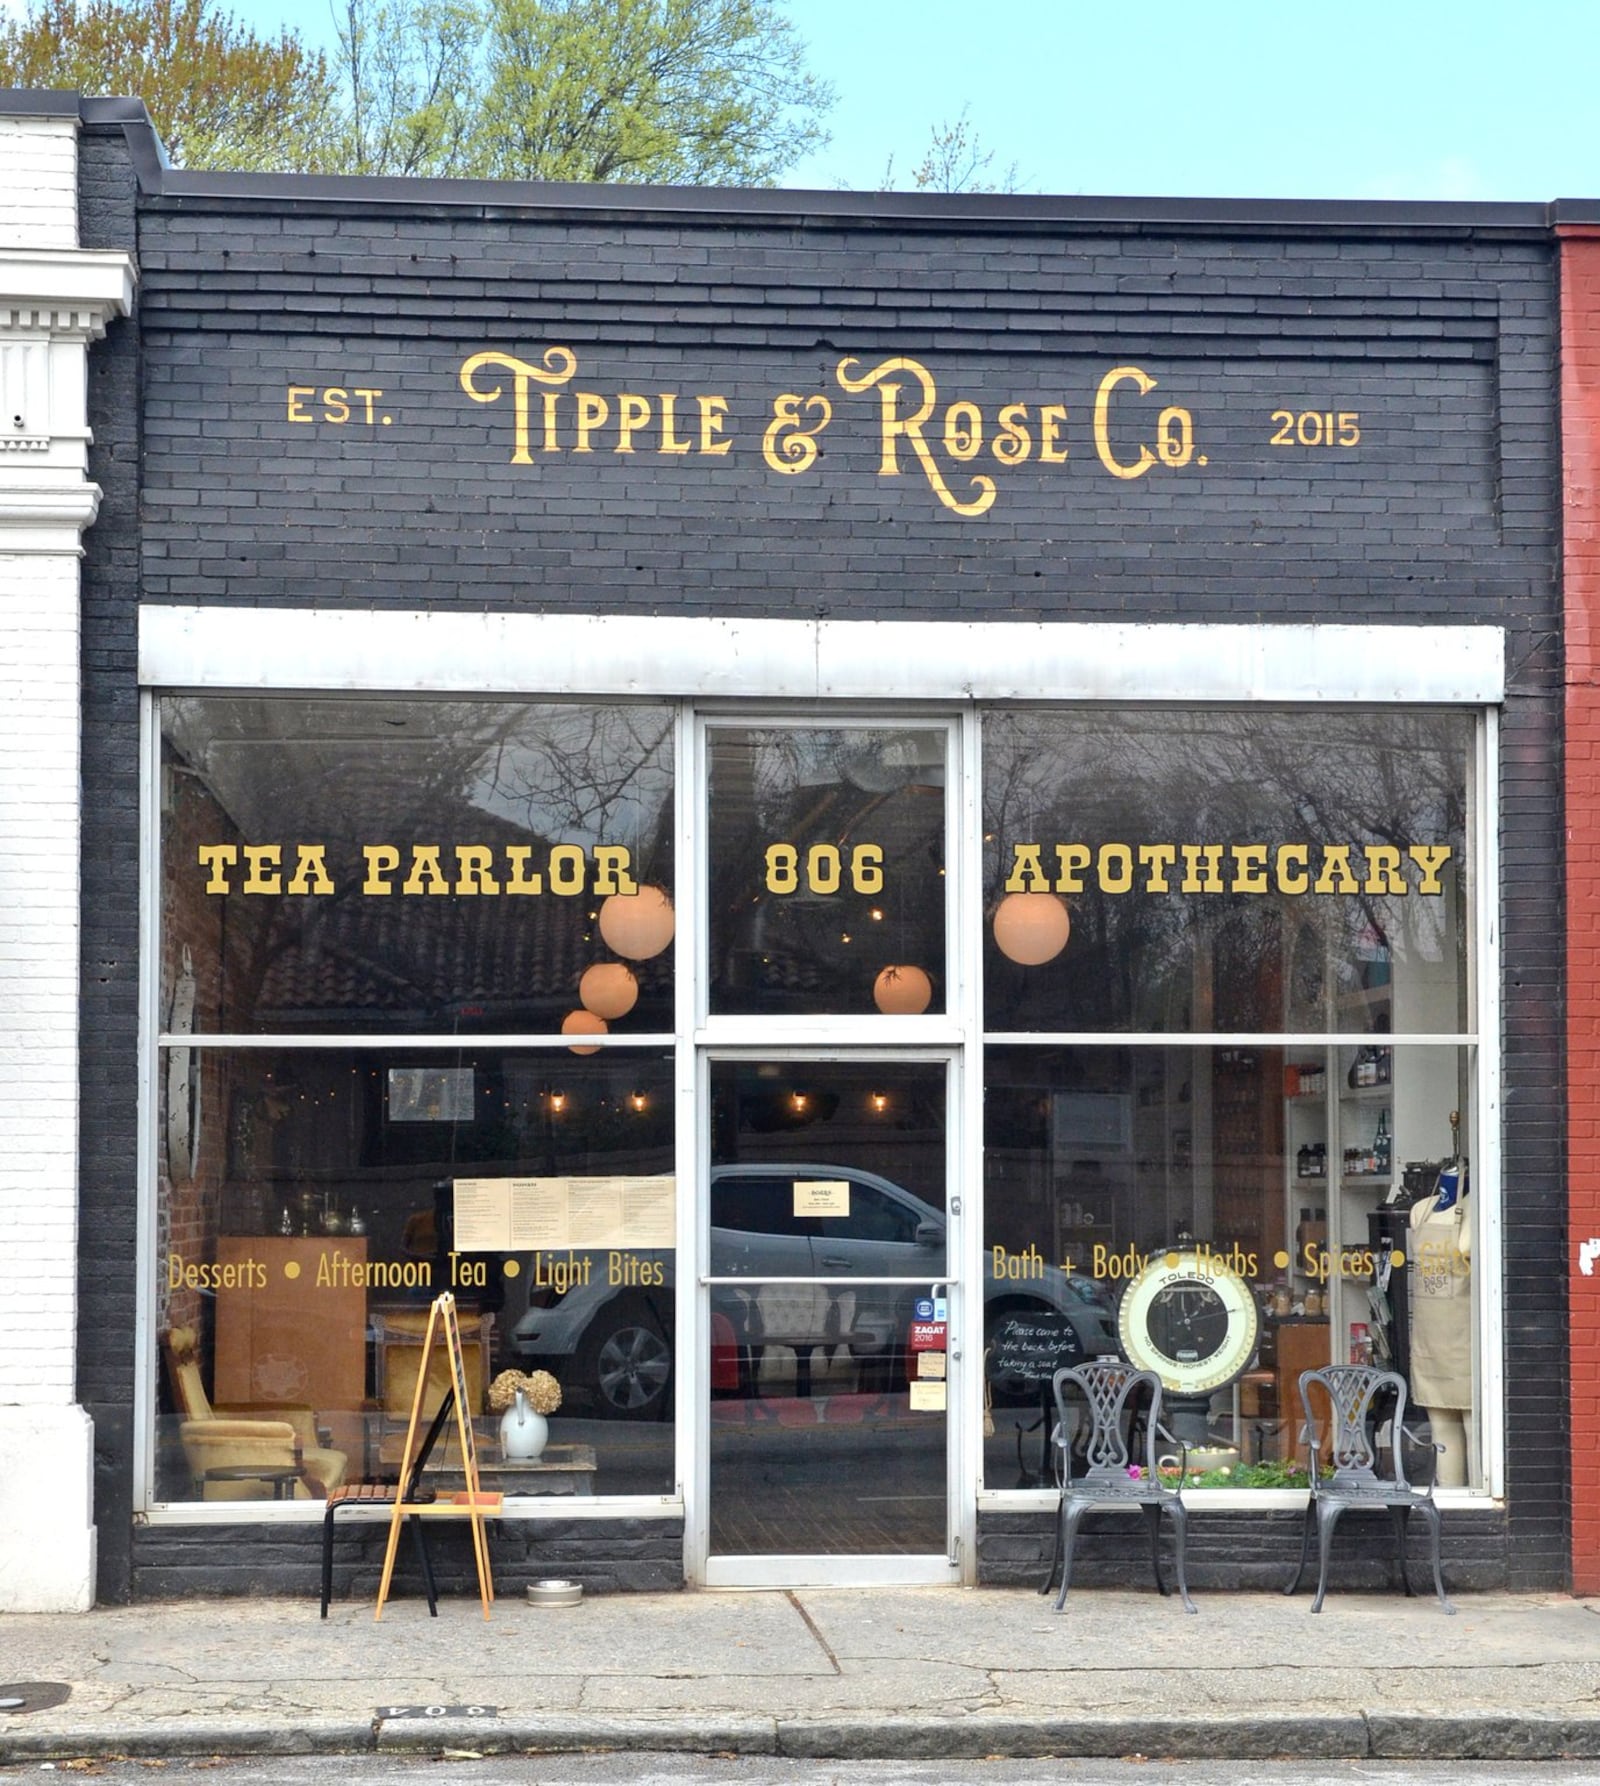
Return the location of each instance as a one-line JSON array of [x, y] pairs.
[[541, 1389]]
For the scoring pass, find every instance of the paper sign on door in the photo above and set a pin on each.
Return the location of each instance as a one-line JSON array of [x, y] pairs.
[[928, 1398], [822, 1196]]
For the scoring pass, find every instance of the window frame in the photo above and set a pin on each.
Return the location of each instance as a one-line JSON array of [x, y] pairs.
[[750, 672]]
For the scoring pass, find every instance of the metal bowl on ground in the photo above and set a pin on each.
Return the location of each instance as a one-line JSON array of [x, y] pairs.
[[555, 1593]]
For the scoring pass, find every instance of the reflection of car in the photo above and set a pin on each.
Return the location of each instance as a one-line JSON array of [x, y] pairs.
[[605, 1325]]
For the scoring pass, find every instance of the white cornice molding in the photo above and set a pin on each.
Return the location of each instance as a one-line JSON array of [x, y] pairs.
[[71, 292], [48, 521], [53, 303]]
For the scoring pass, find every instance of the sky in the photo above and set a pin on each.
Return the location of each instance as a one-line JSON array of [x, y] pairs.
[[1420, 99], [1477, 99]]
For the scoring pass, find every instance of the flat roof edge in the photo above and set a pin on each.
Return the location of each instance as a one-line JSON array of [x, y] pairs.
[[924, 209], [42, 102]]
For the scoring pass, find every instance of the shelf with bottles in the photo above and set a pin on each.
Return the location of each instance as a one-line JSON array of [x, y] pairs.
[[1311, 1163], [1370, 1158], [1368, 1068], [1305, 1081]]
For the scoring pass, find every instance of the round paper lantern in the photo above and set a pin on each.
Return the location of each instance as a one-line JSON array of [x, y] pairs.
[[583, 1023], [1031, 928], [608, 989], [902, 991], [638, 925]]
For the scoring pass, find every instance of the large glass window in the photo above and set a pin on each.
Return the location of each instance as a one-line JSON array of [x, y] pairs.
[[344, 874], [1226, 871], [417, 1013], [827, 870], [1234, 1212], [422, 867]]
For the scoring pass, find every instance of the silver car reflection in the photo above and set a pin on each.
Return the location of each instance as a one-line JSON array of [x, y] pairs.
[[603, 1322]]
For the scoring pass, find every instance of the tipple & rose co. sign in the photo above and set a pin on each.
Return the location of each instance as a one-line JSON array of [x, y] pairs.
[[1133, 430]]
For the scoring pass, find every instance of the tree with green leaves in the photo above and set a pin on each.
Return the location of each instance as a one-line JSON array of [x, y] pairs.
[[220, 95], [687, 92], [955, 161]]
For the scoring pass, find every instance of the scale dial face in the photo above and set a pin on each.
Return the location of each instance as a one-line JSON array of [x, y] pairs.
[[1190, 1320]]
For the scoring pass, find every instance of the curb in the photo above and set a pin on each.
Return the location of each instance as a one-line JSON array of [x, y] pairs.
[[565, 1734], [1331, 1736], [1336, 1737], [189, 1737], [1482, 1736]]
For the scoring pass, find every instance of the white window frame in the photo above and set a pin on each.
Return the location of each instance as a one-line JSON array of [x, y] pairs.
[[885, 667]]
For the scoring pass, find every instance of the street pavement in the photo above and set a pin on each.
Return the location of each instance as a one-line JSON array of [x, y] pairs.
[[862, 1673]]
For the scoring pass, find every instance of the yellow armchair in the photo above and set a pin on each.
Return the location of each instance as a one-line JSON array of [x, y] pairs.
[[256, 1451]]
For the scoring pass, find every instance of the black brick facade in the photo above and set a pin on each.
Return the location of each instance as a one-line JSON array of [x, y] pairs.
[[109, 1040], [1437, 326]]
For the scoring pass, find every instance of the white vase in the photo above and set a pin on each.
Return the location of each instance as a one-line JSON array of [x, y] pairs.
[[523, 1433]]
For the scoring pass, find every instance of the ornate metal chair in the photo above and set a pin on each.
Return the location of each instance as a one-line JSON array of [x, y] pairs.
[[1356, 1396], [1111, 1391]]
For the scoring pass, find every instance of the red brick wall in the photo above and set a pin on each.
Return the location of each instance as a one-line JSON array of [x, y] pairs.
[[1580, 430]]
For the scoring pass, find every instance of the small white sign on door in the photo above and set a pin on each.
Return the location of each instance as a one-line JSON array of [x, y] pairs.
[[822, 1196]]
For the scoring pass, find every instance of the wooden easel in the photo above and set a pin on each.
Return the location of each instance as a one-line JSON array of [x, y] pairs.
[[472, 1504]]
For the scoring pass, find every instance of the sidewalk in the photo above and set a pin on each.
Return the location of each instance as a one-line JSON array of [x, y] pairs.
[[868, 1673]]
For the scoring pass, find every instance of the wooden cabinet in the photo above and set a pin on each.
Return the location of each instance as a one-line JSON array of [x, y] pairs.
[[1301, 1346], [1247, 1140], [302, 1335]]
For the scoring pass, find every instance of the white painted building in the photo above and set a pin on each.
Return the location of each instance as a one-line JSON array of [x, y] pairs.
[[55, 298]]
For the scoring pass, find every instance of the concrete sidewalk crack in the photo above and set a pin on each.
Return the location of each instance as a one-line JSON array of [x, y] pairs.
[[811, 1626]]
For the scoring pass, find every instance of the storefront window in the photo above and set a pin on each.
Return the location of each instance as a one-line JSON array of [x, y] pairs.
[[1226, 871], [356, 871], [827, 871], [1230, 1213], [421, 867], [327, 1205]]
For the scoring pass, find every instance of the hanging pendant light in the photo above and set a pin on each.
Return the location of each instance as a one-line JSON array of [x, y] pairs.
[[583, 1023], [902, 991], [638, 925], [608, 989], [1031, 928]]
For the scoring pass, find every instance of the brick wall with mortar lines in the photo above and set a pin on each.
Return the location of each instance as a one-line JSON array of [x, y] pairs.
[[38, 1014], [1444, 344], [41, 198], [1442, 348], [108, 986], [1580, 419]]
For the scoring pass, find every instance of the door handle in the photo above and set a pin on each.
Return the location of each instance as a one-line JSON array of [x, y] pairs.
[[837, 1264]]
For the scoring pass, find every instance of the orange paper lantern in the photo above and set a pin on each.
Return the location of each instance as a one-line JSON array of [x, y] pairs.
[[902, 992], [638, 925], [1031, 928], [583, 1023], [608, 989]]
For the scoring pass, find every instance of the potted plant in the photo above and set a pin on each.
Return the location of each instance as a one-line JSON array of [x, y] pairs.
[[523, 1400]]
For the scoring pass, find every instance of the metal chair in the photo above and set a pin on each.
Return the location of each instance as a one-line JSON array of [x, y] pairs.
[[1110, 1389], [1355, 1393], [384, 1492]]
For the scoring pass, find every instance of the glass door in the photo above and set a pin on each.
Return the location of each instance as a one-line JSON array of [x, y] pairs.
[[830, 1298]]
